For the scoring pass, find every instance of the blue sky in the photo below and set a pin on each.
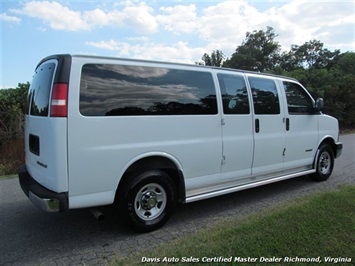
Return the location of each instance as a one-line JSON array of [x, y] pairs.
[[169, 30]]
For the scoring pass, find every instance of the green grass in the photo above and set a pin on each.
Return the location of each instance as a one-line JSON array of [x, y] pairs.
[[322, 225], [7, 176], [347, 131]]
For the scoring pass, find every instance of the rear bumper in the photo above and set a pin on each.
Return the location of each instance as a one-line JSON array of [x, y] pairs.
[[40, 196], [339, 149]]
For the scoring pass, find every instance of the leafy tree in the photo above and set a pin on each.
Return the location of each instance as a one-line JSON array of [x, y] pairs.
[[309, 55], [15, 98], [340, 99], [13, 104], [215, 59], [259, 52]]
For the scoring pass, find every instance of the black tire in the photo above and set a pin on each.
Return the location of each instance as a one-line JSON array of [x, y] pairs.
[[324, 163], [147, 200]]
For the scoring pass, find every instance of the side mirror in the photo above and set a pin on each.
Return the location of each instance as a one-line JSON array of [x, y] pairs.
[[319, 104]]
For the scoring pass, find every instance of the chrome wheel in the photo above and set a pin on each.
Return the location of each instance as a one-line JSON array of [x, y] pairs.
[[150, 201], [147, 199], [325, 163]]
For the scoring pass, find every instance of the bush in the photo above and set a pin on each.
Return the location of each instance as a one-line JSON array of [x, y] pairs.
[[12, 155]]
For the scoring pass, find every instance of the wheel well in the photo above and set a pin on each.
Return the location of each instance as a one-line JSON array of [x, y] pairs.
[[332, 144], [159, 163]]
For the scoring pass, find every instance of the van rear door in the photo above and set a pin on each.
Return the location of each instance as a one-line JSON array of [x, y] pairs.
[[46, 125]]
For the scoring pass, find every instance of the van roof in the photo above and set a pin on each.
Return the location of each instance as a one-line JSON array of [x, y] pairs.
[[60, 56]]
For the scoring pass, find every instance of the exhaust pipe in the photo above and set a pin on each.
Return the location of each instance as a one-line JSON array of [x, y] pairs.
[[97, 214]]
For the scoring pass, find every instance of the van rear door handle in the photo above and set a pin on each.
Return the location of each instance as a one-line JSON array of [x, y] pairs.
[[257, 125]]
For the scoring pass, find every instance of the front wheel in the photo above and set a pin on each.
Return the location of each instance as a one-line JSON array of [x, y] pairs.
[[148, 200], [324, 163]]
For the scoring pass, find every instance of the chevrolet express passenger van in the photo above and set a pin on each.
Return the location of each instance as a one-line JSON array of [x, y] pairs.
[[145, 135]]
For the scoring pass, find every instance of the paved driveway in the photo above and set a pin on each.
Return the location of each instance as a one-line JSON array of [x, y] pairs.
[[29, 236]]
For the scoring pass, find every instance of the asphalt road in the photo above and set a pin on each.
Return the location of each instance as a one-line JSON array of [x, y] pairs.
[[29, 236]]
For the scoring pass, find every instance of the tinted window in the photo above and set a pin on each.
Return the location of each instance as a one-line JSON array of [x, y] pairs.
[[265, 98], [234, 94], [298, 100], [40, 89], [136, 90]]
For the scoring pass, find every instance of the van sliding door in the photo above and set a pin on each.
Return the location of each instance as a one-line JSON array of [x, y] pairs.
[[269, 126]]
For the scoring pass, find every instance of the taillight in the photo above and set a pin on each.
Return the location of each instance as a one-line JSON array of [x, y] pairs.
[[59, 101]]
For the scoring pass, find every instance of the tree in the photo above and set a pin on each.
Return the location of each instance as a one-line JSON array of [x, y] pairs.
[[324, 73], [309, 55], [215, 59], [13, 104], [340, 99], [15, 98], [259, 52]]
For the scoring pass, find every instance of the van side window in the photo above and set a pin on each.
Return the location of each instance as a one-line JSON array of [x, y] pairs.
[[234, 94], [119, 90], [265, 97], [298, 100], [38, 96]]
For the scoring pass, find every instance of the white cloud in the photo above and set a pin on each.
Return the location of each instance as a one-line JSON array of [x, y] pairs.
[[59, 17], [176, 52], [178, 19], [224, 25], [108, 45], [139, 17], [96, 17], [216, 25], [56, 15], [11, 19], [299, 21]]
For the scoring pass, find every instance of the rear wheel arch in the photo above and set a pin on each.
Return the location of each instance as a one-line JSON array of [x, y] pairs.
[[147, 199], [162, 163]]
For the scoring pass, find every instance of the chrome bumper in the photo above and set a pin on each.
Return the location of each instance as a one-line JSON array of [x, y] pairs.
[[40, 196], [339, 149]]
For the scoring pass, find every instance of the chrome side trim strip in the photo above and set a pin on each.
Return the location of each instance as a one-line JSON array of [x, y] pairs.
[[246, 186]]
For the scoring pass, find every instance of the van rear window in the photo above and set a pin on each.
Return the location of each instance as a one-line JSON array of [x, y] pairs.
[[38, 97], [119, 90]]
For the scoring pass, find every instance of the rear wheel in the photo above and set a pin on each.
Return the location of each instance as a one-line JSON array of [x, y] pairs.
[[324, 163], [148, 200]]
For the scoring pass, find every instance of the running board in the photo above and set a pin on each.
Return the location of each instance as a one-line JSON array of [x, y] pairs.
[[247, 186]]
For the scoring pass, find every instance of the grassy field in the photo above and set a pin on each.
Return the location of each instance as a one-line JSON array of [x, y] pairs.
[[319, 228]]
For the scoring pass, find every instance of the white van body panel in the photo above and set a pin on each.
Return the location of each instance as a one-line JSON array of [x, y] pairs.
[[100, 148], [84, 157], [328, 128], [52, 161], [302, 138]]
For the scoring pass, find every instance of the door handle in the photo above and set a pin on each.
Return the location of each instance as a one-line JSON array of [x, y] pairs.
[[287, 124], [257, 125]]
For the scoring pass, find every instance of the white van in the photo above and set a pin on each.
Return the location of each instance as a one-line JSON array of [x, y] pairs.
[[145, 135]]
